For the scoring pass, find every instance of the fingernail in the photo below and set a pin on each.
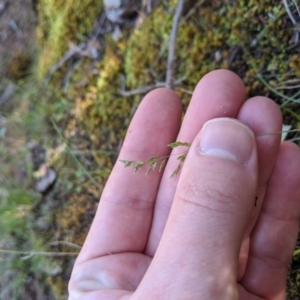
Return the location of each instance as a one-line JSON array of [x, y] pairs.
[[226, 138]]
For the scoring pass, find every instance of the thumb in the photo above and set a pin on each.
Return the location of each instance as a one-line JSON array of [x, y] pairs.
[[216, 193]]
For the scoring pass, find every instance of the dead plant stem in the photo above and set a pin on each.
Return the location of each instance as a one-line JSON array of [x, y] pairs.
[[172, 43]]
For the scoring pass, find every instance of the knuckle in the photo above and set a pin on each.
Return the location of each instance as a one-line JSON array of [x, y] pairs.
[[209, 195], [132, 201]]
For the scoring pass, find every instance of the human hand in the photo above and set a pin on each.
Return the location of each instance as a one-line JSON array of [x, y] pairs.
[[202, 234]]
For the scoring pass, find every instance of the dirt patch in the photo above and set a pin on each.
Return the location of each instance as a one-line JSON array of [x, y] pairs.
[[17, 27]]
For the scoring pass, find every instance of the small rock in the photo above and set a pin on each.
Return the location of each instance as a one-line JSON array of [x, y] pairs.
[[46, 179], [218, 56], [117, 33]]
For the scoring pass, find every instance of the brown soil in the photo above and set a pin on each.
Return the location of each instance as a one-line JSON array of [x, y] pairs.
[[17, 25]]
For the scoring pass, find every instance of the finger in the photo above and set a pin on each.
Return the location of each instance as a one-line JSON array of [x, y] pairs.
[[108, 277], [275, 235], [218, 94], [211, 208], [263, 116], [123, 219]]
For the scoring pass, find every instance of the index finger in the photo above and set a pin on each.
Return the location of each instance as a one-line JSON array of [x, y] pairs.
[[124, 215]]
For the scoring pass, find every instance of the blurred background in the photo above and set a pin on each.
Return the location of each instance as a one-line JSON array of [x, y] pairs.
[[72, 73]]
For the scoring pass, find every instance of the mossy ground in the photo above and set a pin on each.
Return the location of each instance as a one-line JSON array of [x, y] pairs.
[[248, 37]]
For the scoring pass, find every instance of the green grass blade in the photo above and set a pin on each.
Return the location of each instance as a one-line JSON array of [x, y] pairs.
[[73, 156]]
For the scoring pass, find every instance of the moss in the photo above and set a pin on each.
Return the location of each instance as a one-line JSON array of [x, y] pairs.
[[101, 104], [295, 64], [262, 42], [72, 219], [62, 23], [151, 38], [249, 37]]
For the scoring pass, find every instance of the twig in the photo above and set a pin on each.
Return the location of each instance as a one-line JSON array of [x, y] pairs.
[[233, 53], [294, 80], [56, 243], [185, 90], [192, 10], [287, 87], [171, 52], [164, 47], [68, 75], [143, 90], [297, 7], [76, 50], [146, 89], [66, 80], [61, 61], [291, 16]]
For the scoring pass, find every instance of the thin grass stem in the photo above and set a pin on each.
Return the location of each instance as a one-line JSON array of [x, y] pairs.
[[277, 132], [276, 92], [42, 253], [73, 156], [295, 115]]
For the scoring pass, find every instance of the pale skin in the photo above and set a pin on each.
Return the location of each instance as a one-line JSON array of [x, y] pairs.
[[197, 235]]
